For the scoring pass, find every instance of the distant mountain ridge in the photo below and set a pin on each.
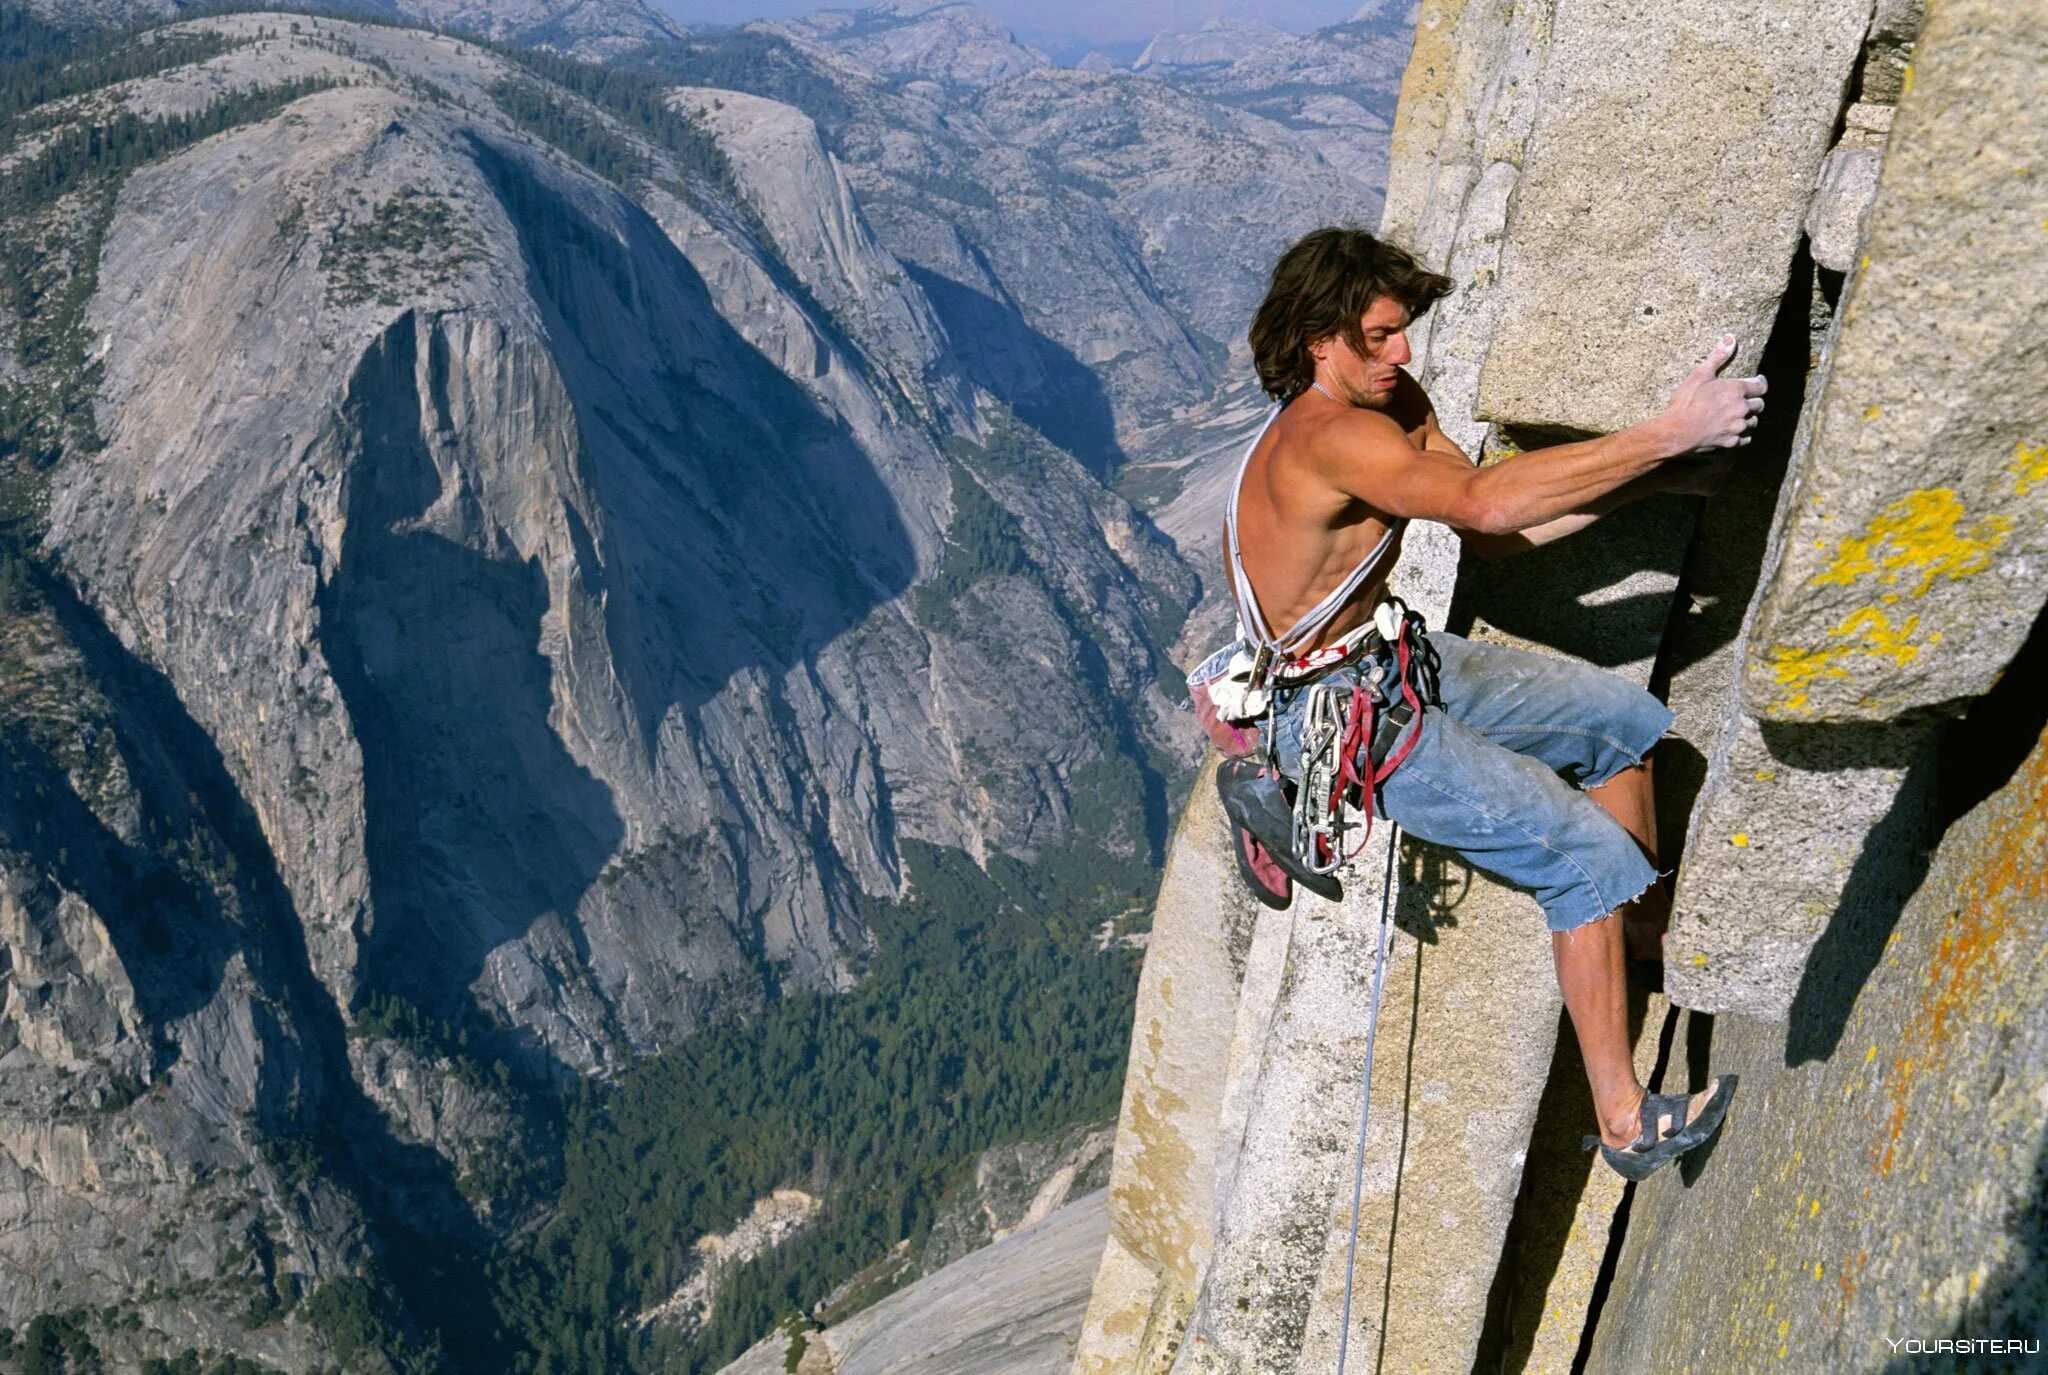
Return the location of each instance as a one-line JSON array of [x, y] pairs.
[[590, 29]]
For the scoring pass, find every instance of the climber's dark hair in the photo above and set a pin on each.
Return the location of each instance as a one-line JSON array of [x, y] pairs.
[[1320, 288]]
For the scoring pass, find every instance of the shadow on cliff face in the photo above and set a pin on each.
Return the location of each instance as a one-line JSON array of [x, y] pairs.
[[1950, 769], [1562, 594], [1547, 1199], [477, 819], [743, 526], [2013, 1302], [1046, 385], [175, 936], [171, 934], [195, 888], [1557, 595]]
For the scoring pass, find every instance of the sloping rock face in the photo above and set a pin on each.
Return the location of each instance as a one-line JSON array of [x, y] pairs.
[[1008, 1309], [1879, 1189], [1887, 1003], [508, 466], [166, 1055]]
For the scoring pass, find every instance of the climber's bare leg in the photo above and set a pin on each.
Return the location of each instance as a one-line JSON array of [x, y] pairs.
[[1595, 988], [1593, 979], [1630, 798]]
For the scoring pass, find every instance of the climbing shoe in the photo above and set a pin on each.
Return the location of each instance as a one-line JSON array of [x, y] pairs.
[[1264, 841], [1659, 1145]]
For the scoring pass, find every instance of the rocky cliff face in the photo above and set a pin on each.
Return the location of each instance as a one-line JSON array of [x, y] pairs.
[[1864, 712], [532, 566]]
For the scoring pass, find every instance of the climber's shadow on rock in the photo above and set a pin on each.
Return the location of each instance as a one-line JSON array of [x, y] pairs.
[[1570, 596], [1433, 883]]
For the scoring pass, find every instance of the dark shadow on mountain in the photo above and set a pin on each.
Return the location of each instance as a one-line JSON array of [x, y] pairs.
[[1950, 769], [1981, 752], [734, 527], [477, 819], [172, 934], [427, 1240], [742, 525], [1435, 881], [1048, 387]]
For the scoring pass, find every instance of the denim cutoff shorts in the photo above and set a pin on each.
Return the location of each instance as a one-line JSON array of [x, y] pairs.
[[1498, 771]]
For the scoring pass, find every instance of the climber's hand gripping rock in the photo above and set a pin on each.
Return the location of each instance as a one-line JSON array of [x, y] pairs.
[[1709, 411]]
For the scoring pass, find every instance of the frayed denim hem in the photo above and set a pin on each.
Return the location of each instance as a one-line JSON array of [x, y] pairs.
[[1602, 916]]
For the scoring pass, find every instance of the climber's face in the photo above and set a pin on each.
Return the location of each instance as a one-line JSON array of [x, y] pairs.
[[1365, 372]]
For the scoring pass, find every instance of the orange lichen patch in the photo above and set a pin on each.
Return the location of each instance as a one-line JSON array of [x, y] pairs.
[[1849, 1274], [1153, 1214], [2029, 466], [2006, 871], [1923, 534]]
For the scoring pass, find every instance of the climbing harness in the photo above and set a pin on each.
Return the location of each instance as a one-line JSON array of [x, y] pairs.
[[1349, 745], [1382, 950], [1352, 735]]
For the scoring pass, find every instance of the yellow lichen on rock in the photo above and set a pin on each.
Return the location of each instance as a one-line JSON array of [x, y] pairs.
[[1921, 533], [2029, 466], [1869, 631]]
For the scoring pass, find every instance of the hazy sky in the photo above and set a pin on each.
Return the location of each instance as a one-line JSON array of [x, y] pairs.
[[1067, 21]]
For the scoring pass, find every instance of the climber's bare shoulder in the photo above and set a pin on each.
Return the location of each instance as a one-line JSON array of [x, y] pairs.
[[1411, 409], [1392, 457]]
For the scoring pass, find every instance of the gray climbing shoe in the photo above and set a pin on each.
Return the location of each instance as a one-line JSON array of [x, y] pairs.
[[1651, 1152]]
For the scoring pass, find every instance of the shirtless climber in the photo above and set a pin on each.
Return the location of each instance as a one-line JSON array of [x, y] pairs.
[[1335, 701]]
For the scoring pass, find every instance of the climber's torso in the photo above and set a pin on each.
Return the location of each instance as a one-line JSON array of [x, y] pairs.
[[1300, 534]]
